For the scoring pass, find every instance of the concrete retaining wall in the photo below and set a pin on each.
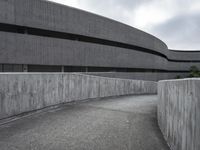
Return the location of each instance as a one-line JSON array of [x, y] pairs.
[[27, 92], [179, 113]]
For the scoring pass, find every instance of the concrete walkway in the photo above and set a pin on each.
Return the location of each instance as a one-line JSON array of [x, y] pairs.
[[124, 123]]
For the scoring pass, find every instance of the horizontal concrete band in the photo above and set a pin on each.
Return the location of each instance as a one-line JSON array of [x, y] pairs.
[[27, 92], [179, 113], [30, 49], [174, 56]]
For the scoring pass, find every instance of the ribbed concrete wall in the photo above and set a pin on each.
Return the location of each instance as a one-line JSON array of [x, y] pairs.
[[179, 113], [26, 92], [183, 55], [29, 49]]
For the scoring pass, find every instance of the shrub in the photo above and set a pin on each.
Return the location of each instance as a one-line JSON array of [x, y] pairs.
[[178, 77], [194, 72]]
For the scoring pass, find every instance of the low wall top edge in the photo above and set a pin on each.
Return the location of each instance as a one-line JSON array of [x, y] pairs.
[[185, 79], [78, 74]]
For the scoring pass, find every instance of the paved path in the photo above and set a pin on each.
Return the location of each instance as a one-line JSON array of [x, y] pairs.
[[124, 123]]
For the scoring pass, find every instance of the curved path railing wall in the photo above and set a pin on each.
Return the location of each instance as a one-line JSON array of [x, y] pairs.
[[21, 93], [179, 113], [43, 33]]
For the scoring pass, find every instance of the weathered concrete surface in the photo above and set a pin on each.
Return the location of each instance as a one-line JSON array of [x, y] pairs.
[[179, 113], [148, 76], [124, 123], [27, 92]]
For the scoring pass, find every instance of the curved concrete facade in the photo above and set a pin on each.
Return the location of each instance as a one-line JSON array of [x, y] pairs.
[[44, 36]]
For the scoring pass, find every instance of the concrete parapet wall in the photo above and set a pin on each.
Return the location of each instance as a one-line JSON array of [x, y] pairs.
[[21, 93], [148, 76], [179, 113]]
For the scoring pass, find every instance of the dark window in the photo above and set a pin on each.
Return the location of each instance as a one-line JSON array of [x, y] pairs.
[[75, 69], [1, 68], [11, 68], [41, 68]]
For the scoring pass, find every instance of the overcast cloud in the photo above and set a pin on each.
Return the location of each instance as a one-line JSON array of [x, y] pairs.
[[176, 22]]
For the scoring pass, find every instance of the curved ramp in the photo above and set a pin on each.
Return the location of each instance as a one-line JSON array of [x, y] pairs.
[[123, 123]]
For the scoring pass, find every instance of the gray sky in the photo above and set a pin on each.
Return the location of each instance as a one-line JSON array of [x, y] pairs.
[[176, 22]]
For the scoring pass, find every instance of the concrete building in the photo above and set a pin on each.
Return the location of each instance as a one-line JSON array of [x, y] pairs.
[[41, 36]]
